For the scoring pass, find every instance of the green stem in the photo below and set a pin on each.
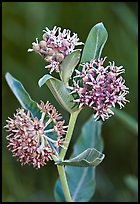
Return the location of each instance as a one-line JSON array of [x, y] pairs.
[[72, 122], [63, 179], [61, 169]]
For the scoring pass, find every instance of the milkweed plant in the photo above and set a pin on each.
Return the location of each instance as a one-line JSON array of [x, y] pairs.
[[37, 133]]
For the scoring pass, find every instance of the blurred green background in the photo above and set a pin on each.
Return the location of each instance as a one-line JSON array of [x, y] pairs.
[[116, 177]]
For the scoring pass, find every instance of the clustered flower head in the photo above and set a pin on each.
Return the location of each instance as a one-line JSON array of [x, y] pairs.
[[55, 46], [29, 138], [99, 87]]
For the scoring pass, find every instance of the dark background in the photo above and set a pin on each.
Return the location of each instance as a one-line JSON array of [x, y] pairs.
[[21, 24]]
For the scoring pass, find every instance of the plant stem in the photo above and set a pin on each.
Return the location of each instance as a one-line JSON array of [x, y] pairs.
[[72, 122], [64, 183], [61, 169]]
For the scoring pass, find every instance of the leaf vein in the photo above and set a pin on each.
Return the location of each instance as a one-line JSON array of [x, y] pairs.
[[80, 184], [97, 39]]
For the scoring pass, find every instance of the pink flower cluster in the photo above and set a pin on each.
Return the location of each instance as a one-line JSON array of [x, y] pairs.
[[56, 44], [29, 138], [99, 87]]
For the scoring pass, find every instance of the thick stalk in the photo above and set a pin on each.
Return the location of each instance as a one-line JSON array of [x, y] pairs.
[[72, 122], [64, 183], [61, 169]]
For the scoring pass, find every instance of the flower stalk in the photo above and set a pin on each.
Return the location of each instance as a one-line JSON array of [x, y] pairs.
[[63, 179], [72, 122], [61, 169]]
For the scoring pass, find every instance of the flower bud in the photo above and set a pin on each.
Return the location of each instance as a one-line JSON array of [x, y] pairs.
[[48, 58], [45, 36], [43, 44], [50, 51], [36, 47], [57, 43], [59, 57], [66, 43]]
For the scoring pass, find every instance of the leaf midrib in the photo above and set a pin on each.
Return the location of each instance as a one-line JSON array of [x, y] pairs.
[[97, 39], [60, 98]]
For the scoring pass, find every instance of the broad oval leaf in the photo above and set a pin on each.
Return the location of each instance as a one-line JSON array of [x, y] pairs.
[[90, 157], [59, 91], [81, 180], [68, 65], [94, 43], [22, 95]]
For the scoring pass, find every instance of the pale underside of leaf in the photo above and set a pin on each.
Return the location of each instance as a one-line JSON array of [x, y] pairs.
[[60, 92], [68, 65], [22, 95], [90, 157]]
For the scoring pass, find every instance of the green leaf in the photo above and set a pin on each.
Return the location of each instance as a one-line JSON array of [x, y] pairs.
[[59, 91], [90, 157], [81, 180], [94, 43], [22, 95], [68, 65], [128, 120]]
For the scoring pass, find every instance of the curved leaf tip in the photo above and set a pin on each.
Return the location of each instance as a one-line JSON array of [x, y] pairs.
[[43, 80], [8, 77], [68, 65], [95, 42], [22, 95], [60, 92]]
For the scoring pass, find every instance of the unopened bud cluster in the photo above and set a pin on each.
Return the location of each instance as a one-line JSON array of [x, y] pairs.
[[55, 46]]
